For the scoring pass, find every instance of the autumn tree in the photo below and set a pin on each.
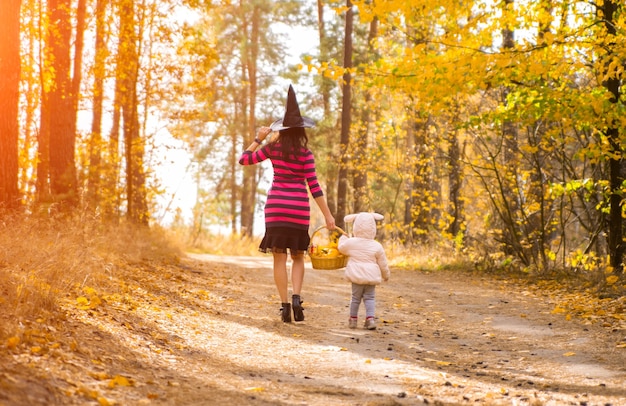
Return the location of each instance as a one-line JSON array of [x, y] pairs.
[[249, 74], [238, 54], [63, 181], [346, 116], [9, 89], [328, 132], [96, 140], [611, 71], [522, 106]]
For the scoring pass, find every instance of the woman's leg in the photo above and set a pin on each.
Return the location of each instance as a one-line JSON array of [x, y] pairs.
[[280, 276], [297, 277], [297, 273]]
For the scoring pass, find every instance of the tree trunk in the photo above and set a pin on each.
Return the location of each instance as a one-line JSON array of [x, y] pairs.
[[111, 196], [326, 85], [616, 178], [95, 142], [361, 190], [137, 208], [250, 177], [42, 184], [509, 164], [455, 180], [32, 103], [346, 118], [420, 185], [62, 122], [81, 11], [9, 89]]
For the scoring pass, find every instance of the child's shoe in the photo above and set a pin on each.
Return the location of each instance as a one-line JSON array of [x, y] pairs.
[[370, 323], [352, 322]]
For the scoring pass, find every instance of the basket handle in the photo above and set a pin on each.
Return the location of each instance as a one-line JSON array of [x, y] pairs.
[[336, 228]]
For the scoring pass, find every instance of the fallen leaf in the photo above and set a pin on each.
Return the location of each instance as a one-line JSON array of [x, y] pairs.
[[610, 280], [101, 376], [13, 342], [119, 380], [103, 401], [569, 354], [438, 362]]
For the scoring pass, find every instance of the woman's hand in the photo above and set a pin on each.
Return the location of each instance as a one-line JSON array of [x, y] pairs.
[[263, 132], [330, 222]]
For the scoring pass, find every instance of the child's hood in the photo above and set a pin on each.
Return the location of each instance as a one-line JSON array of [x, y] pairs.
[[364, 224]]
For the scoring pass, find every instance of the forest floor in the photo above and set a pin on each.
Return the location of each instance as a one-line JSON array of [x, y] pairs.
[[207, 331]]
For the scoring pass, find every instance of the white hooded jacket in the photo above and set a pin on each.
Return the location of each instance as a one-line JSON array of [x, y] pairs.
[[367, 262]]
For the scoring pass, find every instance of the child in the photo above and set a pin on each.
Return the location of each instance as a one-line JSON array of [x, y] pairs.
[[367, 265]]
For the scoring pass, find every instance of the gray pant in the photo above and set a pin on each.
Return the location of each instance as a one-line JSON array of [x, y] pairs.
[[366, 293]]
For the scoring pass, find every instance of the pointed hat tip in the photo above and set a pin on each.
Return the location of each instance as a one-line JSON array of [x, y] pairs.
[[292, 117]]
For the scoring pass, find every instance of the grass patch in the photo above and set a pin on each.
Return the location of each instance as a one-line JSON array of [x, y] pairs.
[[44, 261], [217, 244]]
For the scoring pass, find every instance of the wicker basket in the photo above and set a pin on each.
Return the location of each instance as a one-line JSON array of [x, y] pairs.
[[322, 239]]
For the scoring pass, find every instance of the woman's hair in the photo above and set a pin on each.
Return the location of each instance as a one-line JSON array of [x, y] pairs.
[[292, 140]]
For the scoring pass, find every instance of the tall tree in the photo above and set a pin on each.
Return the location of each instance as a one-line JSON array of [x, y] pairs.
[[510, 192], [96, 140], [30, 95], [134, 144], [250, 60], [327, 134], [63, 182], [346, 117], [360, 143], [613, 84], [42, 182], [77, 70], [9, 89]]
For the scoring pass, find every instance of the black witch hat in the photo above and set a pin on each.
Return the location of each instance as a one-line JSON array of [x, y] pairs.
[[292, 116]]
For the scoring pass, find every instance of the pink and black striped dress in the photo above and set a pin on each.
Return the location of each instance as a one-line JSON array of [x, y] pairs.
[[287, 200]]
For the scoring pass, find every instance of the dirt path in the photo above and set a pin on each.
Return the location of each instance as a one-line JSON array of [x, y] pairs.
[[209, 333]]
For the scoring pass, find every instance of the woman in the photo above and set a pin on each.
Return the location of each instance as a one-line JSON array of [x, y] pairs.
[[287, 211]]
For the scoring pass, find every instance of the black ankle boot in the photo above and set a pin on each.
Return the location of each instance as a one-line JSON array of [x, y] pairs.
[[298, 315], [285, 312]]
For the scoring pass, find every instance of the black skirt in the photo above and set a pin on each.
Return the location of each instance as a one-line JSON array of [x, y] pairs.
[[283, 240]]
